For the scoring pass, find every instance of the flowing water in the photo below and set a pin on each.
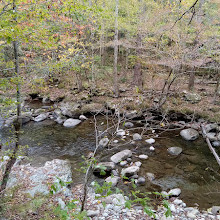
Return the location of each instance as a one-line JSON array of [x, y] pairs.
[[195, 171]]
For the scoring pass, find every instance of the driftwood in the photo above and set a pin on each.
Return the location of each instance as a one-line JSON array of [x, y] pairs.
[[210, 145]]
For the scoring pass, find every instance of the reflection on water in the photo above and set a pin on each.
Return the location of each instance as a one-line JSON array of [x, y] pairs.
[[195, 171]]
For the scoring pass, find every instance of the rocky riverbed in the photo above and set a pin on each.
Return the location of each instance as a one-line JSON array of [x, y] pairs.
[[156, 162]]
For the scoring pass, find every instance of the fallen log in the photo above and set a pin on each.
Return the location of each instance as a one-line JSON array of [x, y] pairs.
[[204, 134]]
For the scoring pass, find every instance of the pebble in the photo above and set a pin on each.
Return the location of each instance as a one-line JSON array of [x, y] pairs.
[[152, 148], [143, 156], [150, 141]]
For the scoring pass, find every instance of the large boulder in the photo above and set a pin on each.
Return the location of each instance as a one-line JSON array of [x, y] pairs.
[[175, 151], [70, 123], [70, 110], [122, 155], [35, 180], [189, 134], [130, 171]]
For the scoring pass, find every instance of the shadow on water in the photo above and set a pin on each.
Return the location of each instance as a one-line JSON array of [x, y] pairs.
[[195, 171]]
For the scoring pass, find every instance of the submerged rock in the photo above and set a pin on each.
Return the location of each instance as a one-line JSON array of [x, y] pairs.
[[175, 151], [69, 123], [103, 142], [189, 134], [116, 158], [150, 176]]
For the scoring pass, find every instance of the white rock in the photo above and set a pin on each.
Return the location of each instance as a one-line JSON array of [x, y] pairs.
[[114, 180], [175, 192], [130, 171], [189, 134], [123, 163], [150, 141], [41, 117], [143, 157], [152, 148], [150, 176], [69, 123], [138, 164], [175, 151], [92, 213], [137, 137], [177, 201], [172, 208], [103, 142], [120, 132], [116, 158], [128, 125], [83, 117], [115, 141]]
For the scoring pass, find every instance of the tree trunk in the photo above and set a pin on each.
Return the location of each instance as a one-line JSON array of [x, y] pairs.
[[116, 89], [191, 81]]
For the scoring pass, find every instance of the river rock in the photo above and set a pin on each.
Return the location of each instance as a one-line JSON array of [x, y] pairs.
[[116, 158], [41, 117], [120, 132], [92, 213], [143, 157], [137, 137], [70, 110], [175, 192], [103, 142], [36, 179], [104, 166], [123, 163], [69, 123], [130, 171], [131, 114], [115, 199], [216, 144], [210, 127], [141, 181], [150, 141], [150, 176], [128, 125], [138, 164], [152, 148], [215, 210], [212, 136], [83, 117], [189, 134], [114, 180], [175, 151]]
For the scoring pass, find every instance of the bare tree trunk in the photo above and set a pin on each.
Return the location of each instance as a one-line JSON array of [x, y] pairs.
[[116, 87], [137, 77], [102, 41], [191, 80], [217, 88]]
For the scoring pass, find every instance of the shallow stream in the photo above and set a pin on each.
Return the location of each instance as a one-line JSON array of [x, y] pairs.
[[195, 171]]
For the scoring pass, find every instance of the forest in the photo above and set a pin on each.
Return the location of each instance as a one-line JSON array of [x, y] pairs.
[[109, 109]]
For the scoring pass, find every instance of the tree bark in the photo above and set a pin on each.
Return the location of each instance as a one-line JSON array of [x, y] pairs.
[[116, 88], [191, 81]]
